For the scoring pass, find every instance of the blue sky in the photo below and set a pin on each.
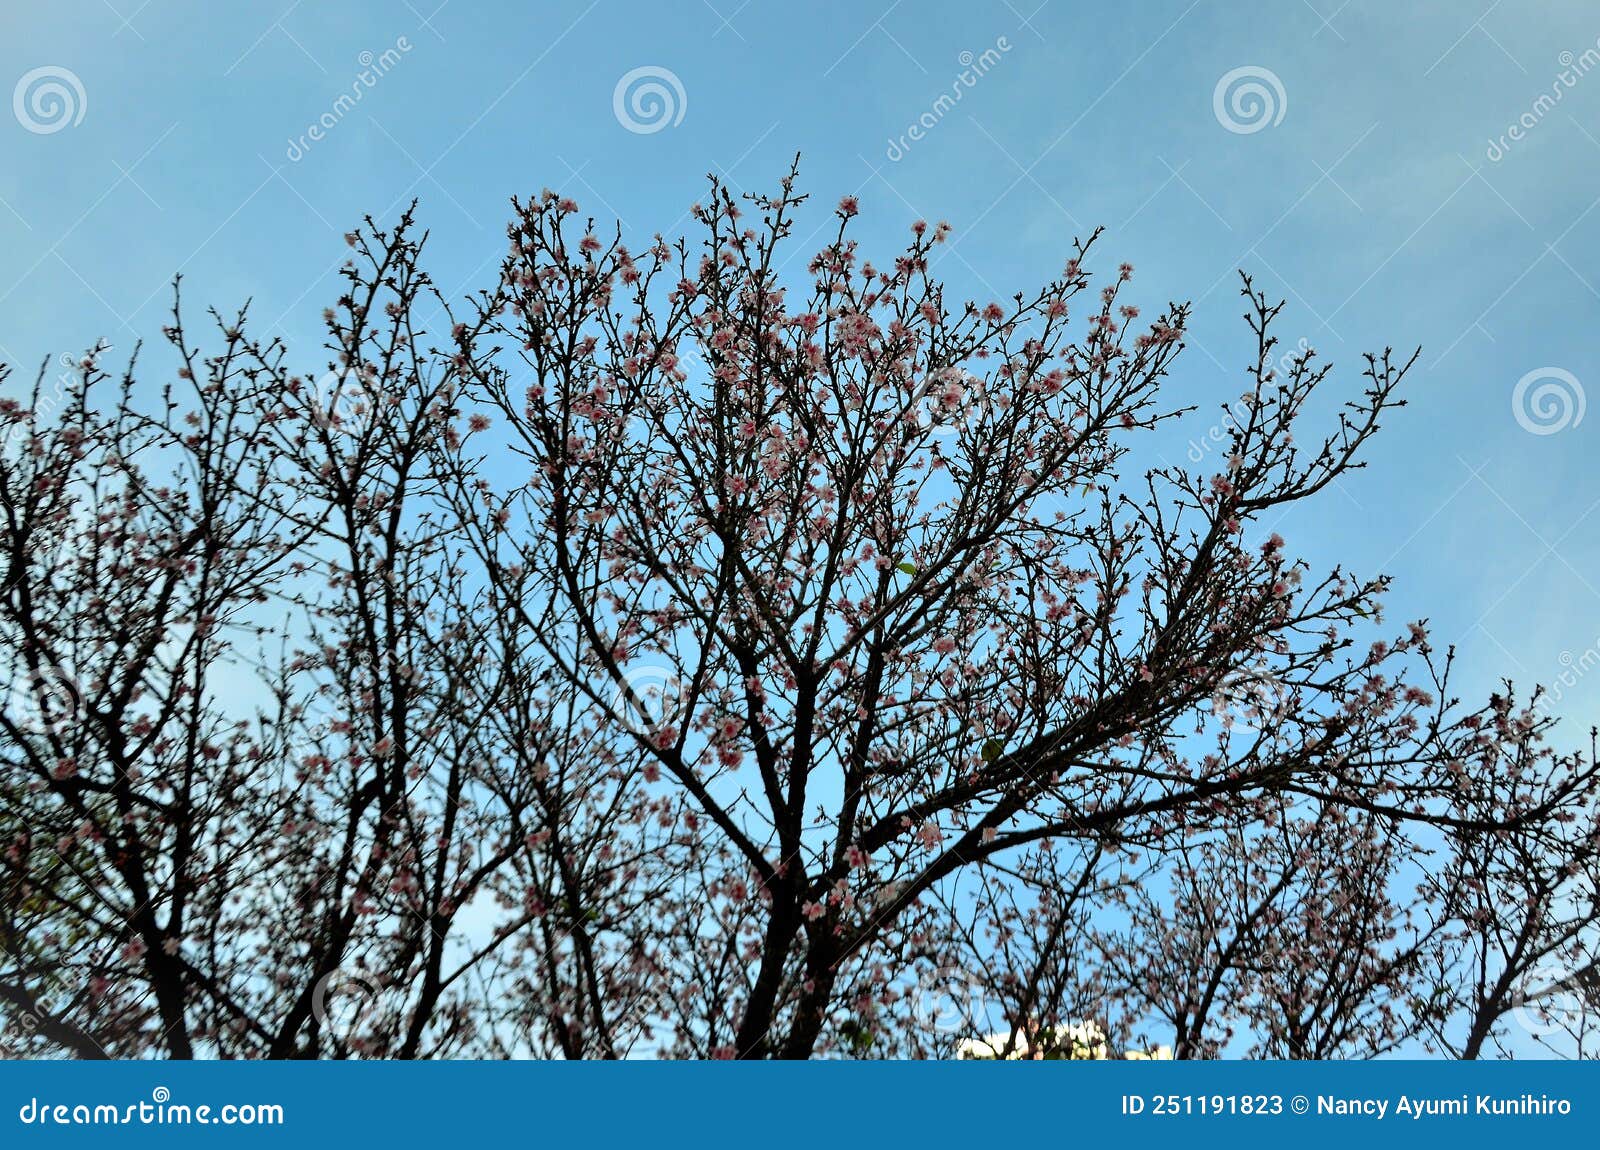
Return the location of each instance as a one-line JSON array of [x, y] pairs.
[[1369, 196]]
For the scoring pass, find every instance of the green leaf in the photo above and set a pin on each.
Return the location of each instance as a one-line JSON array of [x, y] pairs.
[[859, 1037]]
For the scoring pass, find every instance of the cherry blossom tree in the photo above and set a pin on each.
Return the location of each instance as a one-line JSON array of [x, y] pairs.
[[662, 652], [1285, 927], [1524, 970]]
